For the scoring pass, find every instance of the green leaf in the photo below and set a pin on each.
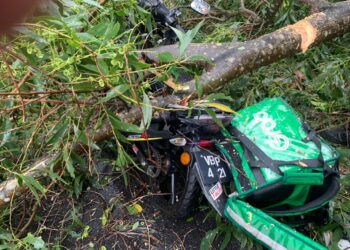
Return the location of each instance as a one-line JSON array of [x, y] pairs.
[[36, 242], [199, 87], [81, 136], [33, 185], [31, 34], [103, 66], [135, 226], [213, 115], [122, 161], [344, 152], [123, 126], [6, 127], [105, 216], [86, 232], [112, 31], [165, 57], [208, 239], [186, 38], [93, 3], [218, 96], [115, 92], [226, 241], [87, 37], [61, 130], [69, 164], [147, 112]]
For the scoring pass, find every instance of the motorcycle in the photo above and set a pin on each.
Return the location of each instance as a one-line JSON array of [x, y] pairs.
[[168, 150], [188, 151]]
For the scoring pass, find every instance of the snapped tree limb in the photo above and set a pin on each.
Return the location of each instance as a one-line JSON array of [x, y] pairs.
[[233, 60]]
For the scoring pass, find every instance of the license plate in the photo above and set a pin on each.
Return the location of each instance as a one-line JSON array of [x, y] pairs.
[[212, 167]]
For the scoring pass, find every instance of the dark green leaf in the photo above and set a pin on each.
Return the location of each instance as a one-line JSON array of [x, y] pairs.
[[213, 115], [61, 130], [123, 126], [35, 242], [116, 91], [33, 185], [112, 31], [186, 38], [208, 239], [165, 57], [69, 163], [147, 111]]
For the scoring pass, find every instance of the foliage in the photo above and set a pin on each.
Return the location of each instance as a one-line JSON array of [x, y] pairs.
[[63, 65], [71, 66], [225, 233]]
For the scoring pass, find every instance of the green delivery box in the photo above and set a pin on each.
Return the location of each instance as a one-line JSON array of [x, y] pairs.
[[281, 167]]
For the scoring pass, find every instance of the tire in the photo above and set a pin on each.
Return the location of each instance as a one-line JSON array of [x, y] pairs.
[[188, 191]]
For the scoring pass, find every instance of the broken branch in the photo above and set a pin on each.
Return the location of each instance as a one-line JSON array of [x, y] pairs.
[[233, 60], [11, 187]]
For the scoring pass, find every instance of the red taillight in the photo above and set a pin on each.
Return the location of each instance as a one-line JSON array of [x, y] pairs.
[[205, 143], [144, 135]]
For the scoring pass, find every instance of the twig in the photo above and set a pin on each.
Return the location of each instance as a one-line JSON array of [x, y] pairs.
[[24, 211], [20, 106], [148, 234], [178, 237], [24, 101], [248, 13], [17, 90], [53, 92], [29, 222], [24, 79]]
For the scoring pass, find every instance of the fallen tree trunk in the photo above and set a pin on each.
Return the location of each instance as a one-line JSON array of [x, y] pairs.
[[233, 60], [230, 60]]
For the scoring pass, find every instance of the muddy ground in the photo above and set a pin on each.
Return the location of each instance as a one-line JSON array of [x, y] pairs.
[[111, 215]]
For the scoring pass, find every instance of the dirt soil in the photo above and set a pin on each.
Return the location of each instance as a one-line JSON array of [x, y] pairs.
[[109, 216]]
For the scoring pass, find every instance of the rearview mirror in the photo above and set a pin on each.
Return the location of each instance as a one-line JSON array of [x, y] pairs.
[[200, 6]]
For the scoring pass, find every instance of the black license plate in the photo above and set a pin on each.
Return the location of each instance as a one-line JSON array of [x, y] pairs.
[[212, 167]]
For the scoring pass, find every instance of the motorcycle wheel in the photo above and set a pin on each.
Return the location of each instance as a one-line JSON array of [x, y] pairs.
[[187, 191]]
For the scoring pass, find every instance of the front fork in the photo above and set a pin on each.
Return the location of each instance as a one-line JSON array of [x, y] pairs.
[[173, 194]]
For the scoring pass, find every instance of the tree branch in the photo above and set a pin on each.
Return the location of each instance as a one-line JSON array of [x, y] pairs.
[[11, 187], [233, 60], [317, 5]]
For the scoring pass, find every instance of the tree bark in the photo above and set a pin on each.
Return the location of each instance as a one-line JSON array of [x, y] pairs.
[[317, 5], [233, 60]]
